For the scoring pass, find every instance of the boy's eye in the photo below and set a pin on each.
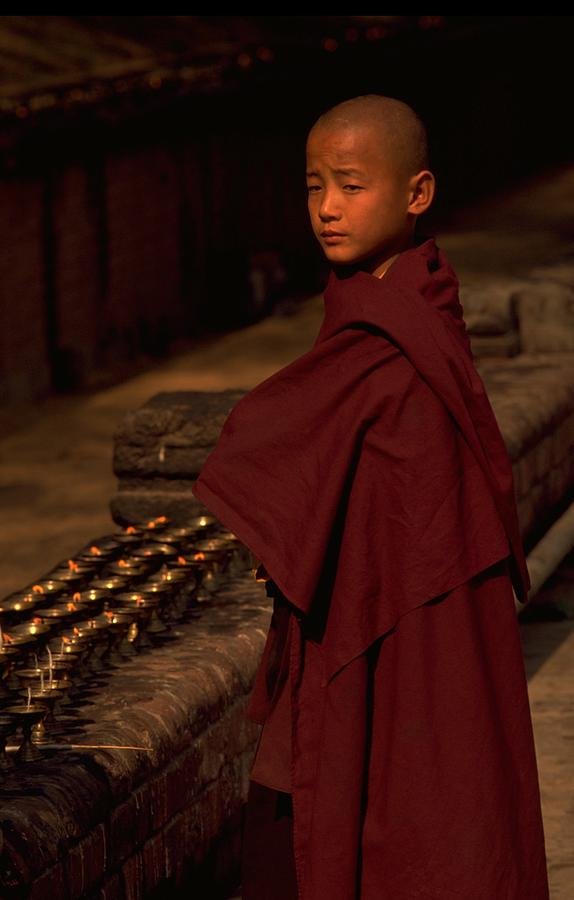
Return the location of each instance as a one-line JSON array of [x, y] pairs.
[[313, 188], [352, 187]]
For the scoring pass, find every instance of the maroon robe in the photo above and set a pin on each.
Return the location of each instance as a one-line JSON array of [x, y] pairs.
[[371, 479]]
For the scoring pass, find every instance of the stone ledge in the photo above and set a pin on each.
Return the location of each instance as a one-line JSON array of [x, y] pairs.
[[121, 823], [163, 445], [171, 432]]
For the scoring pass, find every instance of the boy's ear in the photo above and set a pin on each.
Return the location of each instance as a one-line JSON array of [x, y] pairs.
[[422, 190]]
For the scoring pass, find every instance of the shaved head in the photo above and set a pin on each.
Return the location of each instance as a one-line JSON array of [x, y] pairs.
[[402, 134]]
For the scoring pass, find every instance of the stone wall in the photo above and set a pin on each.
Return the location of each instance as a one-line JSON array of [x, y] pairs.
[[159, 450]]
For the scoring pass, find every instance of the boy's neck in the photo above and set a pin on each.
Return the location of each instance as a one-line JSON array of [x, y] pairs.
[[378, 265], [381, 269]]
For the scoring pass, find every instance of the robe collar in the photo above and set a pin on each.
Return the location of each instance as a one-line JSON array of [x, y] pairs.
[[423, 268]]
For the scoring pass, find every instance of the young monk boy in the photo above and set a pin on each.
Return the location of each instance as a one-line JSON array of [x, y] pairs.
[[370, 478]]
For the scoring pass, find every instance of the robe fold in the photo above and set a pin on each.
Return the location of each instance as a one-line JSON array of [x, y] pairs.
[[371, 479]]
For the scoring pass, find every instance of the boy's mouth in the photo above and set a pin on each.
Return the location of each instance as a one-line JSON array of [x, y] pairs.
[[332, 237]]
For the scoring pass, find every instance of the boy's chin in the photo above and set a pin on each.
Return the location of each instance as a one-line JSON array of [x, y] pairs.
[[339, 256]]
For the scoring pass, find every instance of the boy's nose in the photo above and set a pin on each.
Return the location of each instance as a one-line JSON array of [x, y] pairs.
[[328, 208], [328, 213]]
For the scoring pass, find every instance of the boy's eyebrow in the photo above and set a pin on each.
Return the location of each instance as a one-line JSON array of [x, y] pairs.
[[350, 171]]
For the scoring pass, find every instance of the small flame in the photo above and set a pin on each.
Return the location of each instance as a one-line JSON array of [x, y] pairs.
[[150, 524], [95, 550], [73, 565], [123, 562], [37, 588], [6, 637], [37, 620], [71, 606], [161, 518], [140, 601], [76, 630], [76, 596], [108, 614], [182, 560], [130, 529], [199, 555]]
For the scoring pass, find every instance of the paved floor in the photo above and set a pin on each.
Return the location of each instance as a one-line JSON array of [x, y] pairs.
[[549, 658], [56, 460]]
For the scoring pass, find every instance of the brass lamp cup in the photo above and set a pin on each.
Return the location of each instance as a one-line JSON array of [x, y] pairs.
[[142, 607], [160, 593], [76, 578], [164, 590], [195, 572], [17, 606], [84, 634], [71, 646], [126, 646], [182, 536], [110, 583], [176, 578], [29, 636], [157, 523], [100, 549], [62, 614], [98, 626], [204, 525], [214, 557], [29, 676], [241, 555], [74, 581], [134, 570], [8, 725], [156, 550], [128, 538], [62, 676], [29, 632], [47, 587], [50, 697], [27, 716], [7, 664], [92, 599], [187, 579], [38, 680], [119, 625], [10, 656]]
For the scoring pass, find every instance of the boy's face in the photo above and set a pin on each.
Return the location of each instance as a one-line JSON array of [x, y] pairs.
[[357, 200]]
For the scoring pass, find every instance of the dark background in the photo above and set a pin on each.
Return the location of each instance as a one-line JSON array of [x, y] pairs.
[[153, 167]]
